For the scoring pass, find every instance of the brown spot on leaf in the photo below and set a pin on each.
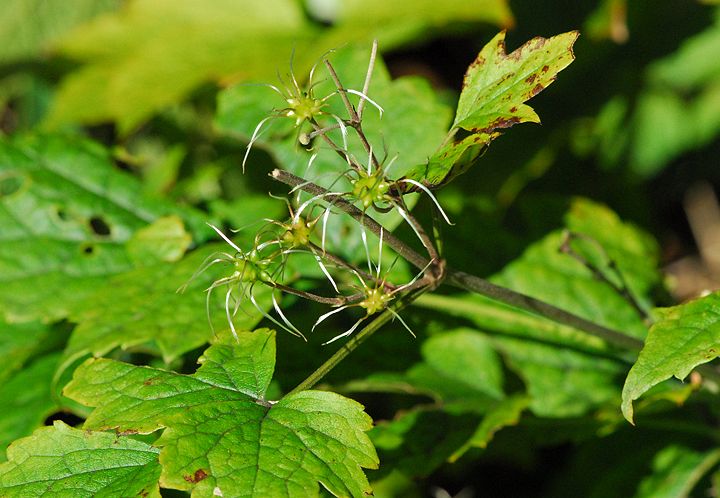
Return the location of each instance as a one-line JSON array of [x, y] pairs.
[[513, 109], [545, 69], [498, 123], [144, 493], [479, 61], [128, 432], [531, 79], [198, 476], [537, 89]]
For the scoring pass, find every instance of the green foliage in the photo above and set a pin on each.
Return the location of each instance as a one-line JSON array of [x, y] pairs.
[[683, 337], [676, 471], [173, 114], [27, 40], [221, 435], [145, 310], [67, 215], [132, 68], [60, 460], [581, 374], [495, 88]]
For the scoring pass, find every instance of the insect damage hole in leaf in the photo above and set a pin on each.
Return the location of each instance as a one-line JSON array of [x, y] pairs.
[[99, 226]]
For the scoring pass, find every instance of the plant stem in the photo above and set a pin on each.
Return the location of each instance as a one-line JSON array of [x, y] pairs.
[[356, 340], [457, 279], [355, 120], [467, 281], [481, 286], [398, 245]]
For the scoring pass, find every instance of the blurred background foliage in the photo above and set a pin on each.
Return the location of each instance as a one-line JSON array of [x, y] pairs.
[[633, 123]]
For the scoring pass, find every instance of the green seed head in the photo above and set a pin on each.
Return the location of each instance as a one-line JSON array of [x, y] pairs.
[[251, 268], [303, 108], [298, 233], [370, 189], [376, 299]]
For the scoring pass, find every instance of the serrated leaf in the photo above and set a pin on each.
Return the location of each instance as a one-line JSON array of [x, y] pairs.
[[26, 399], [144, 306], [567, 372], [62, 461], [682, 338], [495, 89], [221, 435], [676, 472], [66, 214]]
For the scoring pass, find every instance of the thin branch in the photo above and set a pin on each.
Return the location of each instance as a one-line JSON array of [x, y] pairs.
[[479, 285], [405, 251], [368, 77], [355, 121], [332, 301], [352, 344], [622, 289]]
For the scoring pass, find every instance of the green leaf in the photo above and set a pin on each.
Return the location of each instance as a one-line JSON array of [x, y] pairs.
[[28, 27], [460, 369], [163, 240], [62, 461], [459, 365], [26, 399], [153, 53], [683, 337], [18, 343], [567, 372], [676, 472], [506, 413], [495, 88], [144, 306], [419, 441], [221, 435], [395, 22], [66, 214]]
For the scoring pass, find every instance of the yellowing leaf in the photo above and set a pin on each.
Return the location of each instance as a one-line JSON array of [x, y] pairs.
[[495, 88]]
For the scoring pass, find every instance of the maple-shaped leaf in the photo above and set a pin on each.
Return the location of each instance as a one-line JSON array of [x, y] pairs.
[[62, 461], [222, 437], [495, 89]]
